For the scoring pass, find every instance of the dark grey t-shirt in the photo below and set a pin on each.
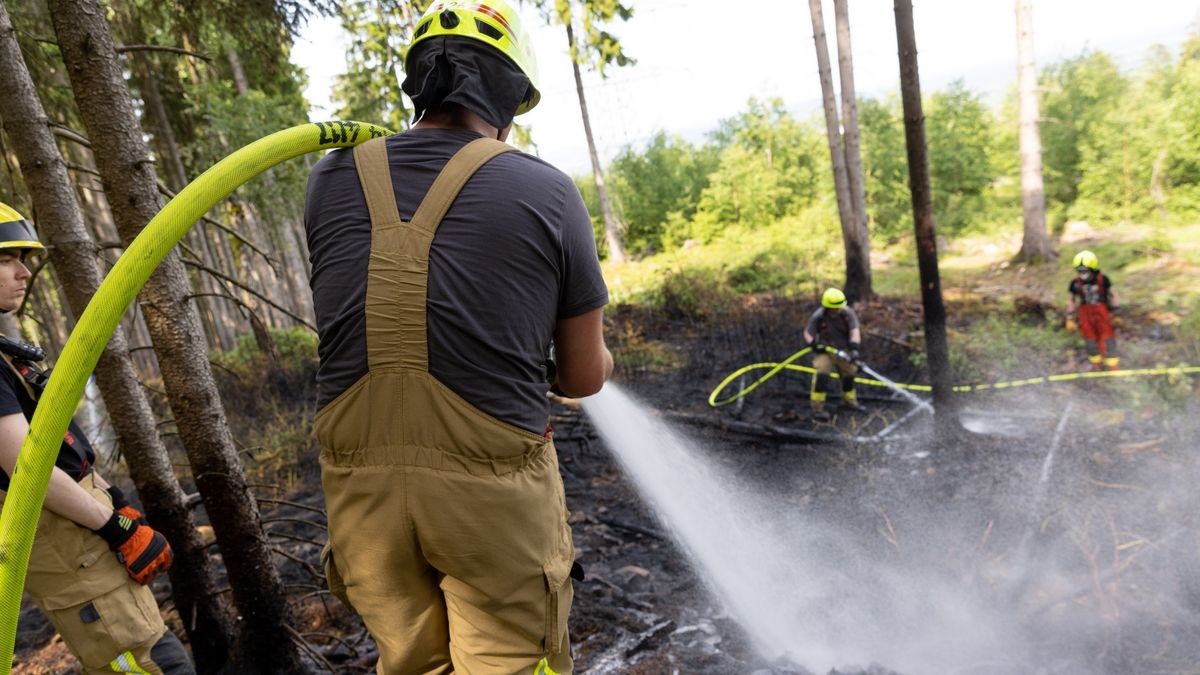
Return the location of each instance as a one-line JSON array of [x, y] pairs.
[[514, 254], [833, 327]]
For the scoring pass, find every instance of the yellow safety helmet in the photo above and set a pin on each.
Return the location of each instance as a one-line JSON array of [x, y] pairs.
[[16, 232], [833, 299], [1086, 259], [493, 23]]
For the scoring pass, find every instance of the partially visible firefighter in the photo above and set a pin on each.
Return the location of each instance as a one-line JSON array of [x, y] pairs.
[[94, 554], [1092, 301], [834, 335]]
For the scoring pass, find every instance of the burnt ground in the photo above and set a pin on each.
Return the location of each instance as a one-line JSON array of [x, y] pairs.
[[1066, 536]]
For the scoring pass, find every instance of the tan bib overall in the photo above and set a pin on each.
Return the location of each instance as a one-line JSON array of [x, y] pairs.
[[447, 526]]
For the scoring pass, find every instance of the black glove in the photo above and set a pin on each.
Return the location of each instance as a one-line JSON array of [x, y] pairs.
[[122, 506], [854, 352], [816, 347]]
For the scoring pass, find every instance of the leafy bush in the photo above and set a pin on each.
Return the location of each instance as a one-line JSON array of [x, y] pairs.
[[959, 132], [633, 353], [661, 182], [693, 294], [296, 348]]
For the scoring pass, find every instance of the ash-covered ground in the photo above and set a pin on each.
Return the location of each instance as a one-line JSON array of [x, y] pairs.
[[1057, 537]]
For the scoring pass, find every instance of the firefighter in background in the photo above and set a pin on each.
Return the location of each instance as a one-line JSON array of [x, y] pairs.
[[833, 328], [1092, 300]]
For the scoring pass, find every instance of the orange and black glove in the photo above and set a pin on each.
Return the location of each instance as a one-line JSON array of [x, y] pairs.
[[122, 506], [144, 552]]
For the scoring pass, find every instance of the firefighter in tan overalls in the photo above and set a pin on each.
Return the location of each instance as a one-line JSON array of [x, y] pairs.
[[93, 552], [444, 264]]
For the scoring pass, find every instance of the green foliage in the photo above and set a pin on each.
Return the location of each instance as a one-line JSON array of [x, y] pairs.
[[959, 133], [380, 33], [770, 165], [793, 255], [1143, 159], [296, 348], [1076, 95], [885, 167], [958, 128], [693, 294], [591, 199], [651, 187], [264, 398], [243, 119], [594, 46]]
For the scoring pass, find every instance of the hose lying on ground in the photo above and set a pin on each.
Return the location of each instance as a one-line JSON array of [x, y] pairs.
[[774, 369], [27, 491]]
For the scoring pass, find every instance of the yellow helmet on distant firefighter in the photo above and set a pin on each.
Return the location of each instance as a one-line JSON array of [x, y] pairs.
[[833, 299], [1086, 260], [17, 232], [492, 22]]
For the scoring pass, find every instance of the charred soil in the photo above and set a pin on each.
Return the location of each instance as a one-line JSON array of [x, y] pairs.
[[1080, 522]]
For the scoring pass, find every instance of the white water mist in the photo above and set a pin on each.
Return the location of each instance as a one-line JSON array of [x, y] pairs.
[[803, 589]]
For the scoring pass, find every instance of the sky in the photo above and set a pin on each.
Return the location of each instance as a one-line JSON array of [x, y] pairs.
[[700, 61]]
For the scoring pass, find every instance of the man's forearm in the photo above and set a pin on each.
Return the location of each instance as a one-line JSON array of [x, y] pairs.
[[68, 499]]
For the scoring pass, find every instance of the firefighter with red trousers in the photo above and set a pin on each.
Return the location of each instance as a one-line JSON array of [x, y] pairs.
[[1092, 301]]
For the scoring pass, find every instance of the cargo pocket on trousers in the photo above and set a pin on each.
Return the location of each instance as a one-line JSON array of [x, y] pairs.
[[100, 630], [333, 578], [559, 594]]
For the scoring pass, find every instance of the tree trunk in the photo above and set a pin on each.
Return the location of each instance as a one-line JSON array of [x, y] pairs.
[[837, 156], [858, 255], [1156, 186], [156, 121], [127, 172], [612, 228], [1035, 247], [73, 255], [937, 348]]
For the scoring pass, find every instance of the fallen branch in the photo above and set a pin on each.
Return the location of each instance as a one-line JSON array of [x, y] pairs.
[[302, 540], [648, 637], [341, 641], [637, 529], [264, 521], [313, 651], [308, 567], [284, 502]]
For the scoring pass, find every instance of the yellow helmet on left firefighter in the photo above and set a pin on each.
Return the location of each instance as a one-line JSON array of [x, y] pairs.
[[17, 232]]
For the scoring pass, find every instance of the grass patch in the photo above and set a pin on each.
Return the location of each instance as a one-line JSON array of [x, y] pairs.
[[264, 397], [794, 255]]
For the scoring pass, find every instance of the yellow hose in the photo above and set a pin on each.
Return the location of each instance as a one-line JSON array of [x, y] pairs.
[[27, 491], [774, 369]]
